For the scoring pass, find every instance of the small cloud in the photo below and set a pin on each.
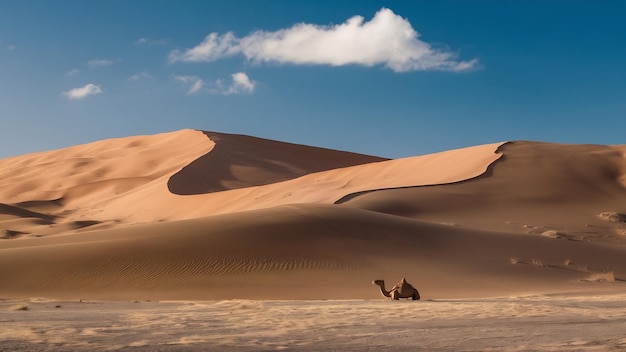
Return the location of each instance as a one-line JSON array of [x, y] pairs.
[[83, 92], [100, 63], [146, 41], [195, 83], [11, 47], [387, 39], [240, 84], [72, 72], [142, 75]]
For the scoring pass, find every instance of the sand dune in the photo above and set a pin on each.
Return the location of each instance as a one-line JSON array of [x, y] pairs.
[[203, 215], [296, 252], [533, 188], [138, 179], [154, 202]]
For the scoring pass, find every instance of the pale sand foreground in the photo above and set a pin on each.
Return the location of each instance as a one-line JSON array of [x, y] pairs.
[[588, 322]]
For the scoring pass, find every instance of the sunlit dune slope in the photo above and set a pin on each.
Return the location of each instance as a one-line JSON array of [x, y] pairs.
[[45, 193], [103, 168]]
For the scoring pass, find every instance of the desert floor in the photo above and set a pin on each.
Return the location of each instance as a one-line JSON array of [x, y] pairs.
[[589, 320]]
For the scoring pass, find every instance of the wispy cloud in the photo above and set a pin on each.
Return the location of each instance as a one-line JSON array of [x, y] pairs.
[[146, 41], [142, 75], [195, 83], [387, 39], [92, 64], [240, 84], [83, 92], [72, 72], [100, 63]]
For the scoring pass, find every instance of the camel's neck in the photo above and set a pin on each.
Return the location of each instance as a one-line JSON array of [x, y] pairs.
[[383, 291]]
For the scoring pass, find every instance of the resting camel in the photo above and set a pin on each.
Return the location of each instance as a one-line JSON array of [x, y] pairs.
[[402, 289]]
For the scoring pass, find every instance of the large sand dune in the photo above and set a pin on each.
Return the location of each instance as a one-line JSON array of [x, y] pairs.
[[202, 215], [533, 188]]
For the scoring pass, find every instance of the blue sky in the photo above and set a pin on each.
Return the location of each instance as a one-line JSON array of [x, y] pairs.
[[406, 78]]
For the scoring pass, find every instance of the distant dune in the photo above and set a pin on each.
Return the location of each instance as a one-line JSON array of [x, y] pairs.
[[205, 215]]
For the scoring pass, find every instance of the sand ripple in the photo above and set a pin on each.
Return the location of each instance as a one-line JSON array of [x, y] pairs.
[[146, 272]]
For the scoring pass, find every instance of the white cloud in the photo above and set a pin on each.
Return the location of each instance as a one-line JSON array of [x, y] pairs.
[[100, 63], [83, 92], [142, 75], [240, 84], [195, 83], [387, 39]]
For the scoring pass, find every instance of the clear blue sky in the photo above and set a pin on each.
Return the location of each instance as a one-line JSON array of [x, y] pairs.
[[477, 72]]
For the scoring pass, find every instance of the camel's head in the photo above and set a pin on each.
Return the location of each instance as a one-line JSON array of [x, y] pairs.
[[379, 282]]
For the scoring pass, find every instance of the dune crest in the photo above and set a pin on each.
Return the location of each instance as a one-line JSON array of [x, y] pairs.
[[325, 187]]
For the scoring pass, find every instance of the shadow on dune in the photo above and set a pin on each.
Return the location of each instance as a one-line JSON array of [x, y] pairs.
[[24, 213], [239, 161]]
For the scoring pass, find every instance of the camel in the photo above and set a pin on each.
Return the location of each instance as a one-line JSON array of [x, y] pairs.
[[402, 289]]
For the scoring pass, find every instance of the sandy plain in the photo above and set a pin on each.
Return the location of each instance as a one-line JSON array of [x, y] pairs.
[[591, 322], [216, 229]]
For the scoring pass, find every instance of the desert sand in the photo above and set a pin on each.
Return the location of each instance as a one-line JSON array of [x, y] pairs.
[[517, 323], [202, 216]]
